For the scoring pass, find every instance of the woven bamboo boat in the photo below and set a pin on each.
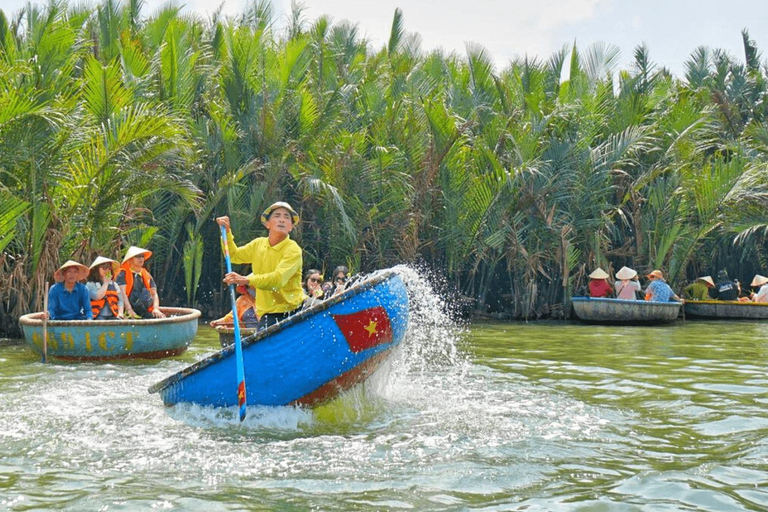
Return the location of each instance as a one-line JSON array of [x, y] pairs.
[[620, 311]]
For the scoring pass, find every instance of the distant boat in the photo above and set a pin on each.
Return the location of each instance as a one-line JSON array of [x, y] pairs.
[[308, 358], [620, 311], [227, 334], [731, 310], [103, 340]]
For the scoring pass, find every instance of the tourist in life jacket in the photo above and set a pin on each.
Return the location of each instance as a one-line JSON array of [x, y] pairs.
[[245, 310], [276, 263], [106, 296], [598, 284], [68, 299], [138, 286]]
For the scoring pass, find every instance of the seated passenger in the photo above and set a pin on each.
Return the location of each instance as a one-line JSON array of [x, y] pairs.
[[68, 299], [246, 312], [725, 289], [106, 297], [313, 287], [338, 281], [762, 293], [699, 289], [627, 285], [138, 286], [658, 290], [598, 284]]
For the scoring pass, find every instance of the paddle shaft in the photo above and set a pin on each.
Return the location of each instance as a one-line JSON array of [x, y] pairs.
[[238, 341], [45, 324]]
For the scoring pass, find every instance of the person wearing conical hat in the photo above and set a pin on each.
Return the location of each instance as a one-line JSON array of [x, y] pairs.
[[138, 286], [658, 290], [246, 313], [699, 289], [106, 296], [276, 263], [762, 293], [68, 299], [627, 285], [598, 284]]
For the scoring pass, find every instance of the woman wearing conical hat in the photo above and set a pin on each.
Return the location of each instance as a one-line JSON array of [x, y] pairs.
[[106, 296], [138, 286], [699, 289], [68, 299], [627, 285], [762, 293], [598, 284]]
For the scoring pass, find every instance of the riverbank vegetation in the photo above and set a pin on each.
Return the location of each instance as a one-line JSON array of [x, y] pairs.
[[121, 129]]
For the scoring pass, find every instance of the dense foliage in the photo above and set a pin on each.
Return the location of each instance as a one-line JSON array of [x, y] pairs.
[[120, 129]]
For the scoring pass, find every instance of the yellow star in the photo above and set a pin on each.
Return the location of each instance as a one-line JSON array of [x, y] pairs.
[[371, 328]]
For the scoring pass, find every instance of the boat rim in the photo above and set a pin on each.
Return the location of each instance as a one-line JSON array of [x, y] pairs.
[[672, 303], [357, 288]]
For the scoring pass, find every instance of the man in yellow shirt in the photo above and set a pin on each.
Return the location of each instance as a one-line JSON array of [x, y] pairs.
[[276, 263]]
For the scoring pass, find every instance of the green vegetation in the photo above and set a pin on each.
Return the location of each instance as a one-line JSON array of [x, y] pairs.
[[119, 129]]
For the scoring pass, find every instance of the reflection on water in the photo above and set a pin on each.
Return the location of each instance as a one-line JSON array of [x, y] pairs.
[[537, 416]]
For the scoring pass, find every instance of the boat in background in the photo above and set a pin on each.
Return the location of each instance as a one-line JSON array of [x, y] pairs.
[[309, 357], [104, 340], [620, 311], [726, 310]]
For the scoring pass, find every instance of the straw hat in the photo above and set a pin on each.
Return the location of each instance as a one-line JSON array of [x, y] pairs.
[[100, 260], [274, 206], [707, 279], [59, 274], [625, 273], [134, 251], [657, 274], [599, 274], [759, 280]]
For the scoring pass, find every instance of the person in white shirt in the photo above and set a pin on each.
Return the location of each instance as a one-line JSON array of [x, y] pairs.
[[627, 284]]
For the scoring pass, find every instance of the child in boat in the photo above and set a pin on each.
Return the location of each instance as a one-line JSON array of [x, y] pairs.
[[245, 310], [138, 286], [699, 289], [276, 263], [68, 299], [106, 297], [627, 285], [598, 284], [658, 290]]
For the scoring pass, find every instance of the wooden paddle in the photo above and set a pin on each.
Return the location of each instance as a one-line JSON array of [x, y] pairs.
[[238, 341], [45, 324]]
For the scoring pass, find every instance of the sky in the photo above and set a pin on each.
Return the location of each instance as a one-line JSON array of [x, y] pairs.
[[671, 29]]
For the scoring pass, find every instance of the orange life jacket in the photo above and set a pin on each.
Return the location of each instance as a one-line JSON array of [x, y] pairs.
[[111, 297], [126, 269]]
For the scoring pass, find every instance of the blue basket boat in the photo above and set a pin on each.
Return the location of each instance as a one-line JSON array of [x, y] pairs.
[[308, 358], [620, 311], [104, 340]]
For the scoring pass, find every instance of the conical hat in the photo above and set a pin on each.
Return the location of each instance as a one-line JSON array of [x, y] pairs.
[[599, 274], [100, 260], [759, 280], [59, 274], [707, 279], [134, 251], [626, 273]]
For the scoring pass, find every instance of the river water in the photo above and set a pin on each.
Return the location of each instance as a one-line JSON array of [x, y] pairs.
[[514, 416]]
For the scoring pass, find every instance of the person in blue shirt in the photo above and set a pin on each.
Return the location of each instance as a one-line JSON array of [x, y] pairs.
[[69, 299], [659, 290]]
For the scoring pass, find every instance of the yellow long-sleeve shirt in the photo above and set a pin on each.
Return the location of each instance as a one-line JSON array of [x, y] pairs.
[[276, 273]]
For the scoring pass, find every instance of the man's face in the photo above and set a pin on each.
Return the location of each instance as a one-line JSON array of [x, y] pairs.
[[280, 221], [71, 274], [137, 261]]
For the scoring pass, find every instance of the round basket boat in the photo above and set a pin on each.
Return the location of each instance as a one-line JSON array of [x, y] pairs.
[[619, 311], [726, 310], [103, 340]]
